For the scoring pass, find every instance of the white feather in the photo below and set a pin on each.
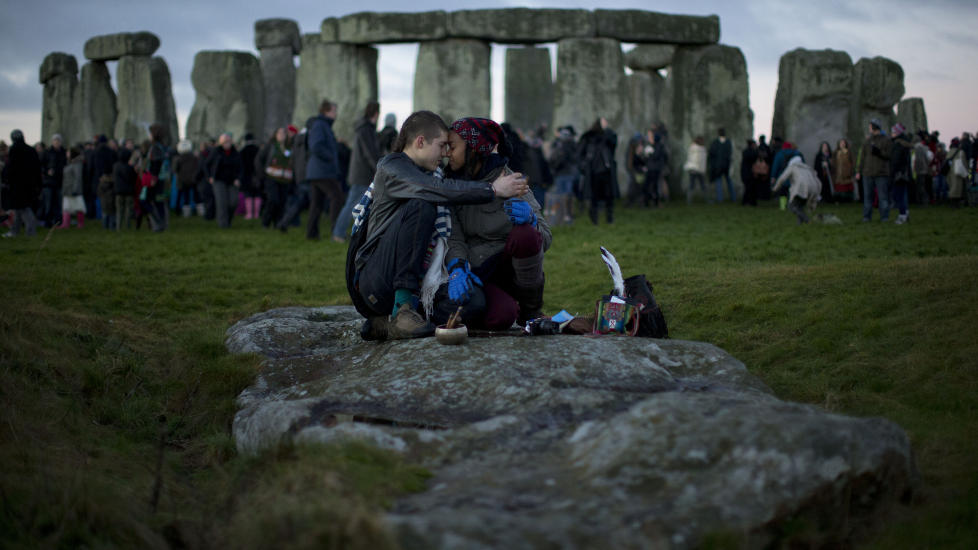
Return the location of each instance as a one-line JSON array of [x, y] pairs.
[[616, 278]]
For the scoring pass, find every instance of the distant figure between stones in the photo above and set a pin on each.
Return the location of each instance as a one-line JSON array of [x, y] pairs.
[[323, 169]]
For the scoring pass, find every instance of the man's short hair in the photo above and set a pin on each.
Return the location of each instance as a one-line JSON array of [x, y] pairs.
[[326, 106], [420, 123], [721, 132], [372, 110]]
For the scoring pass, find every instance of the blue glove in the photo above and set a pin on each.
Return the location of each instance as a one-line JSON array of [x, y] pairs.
[[460, 280], [520, 212]]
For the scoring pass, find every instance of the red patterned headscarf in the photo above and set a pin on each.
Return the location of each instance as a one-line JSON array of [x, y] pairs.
[[480, 134]]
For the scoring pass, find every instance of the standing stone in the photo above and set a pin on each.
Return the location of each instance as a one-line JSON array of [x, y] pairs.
[[707, 89], [278, 41], [343, 73], [877, 87], [230, 95], [59, 75], [145, 97], [329, 30], [95, 102], [590, 83], [910, 113], [650, 57], [529, 88], [452, 78], [655, 27], [812, 103], [521, 25], [110, 47]]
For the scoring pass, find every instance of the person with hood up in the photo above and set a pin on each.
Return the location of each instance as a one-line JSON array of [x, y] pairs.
[[323, 169], [22, 173], [804, 191], [901, 171], [388, 135]]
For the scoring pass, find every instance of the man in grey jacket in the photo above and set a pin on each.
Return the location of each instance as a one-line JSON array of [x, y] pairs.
[[389, 265], [363, 164]]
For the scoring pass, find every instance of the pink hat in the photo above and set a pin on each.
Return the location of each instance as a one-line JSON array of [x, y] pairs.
[[897, 129]]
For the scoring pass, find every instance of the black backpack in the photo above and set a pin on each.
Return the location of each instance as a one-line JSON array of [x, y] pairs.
[[651, 322]]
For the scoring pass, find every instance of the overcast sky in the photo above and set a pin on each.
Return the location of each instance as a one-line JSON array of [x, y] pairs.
[[933, 41]]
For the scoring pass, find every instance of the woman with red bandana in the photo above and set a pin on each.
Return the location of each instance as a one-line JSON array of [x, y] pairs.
[[495, 250]]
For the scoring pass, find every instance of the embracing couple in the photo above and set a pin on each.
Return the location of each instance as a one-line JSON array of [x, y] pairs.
[[426, 241]]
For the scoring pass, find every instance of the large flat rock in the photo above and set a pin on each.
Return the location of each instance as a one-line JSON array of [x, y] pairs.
[[382, 28], [109, 47], [571, 441], [654, 27], [521, 25]]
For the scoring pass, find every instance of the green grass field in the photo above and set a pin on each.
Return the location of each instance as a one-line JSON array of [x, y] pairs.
[[116, 392]]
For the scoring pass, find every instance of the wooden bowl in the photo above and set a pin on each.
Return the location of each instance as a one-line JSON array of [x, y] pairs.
[[452, 336]]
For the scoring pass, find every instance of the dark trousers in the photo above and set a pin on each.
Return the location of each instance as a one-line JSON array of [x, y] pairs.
[[276, 193], [602, 191], [319, 190], [397, 260], [650, 188], [497, 304]]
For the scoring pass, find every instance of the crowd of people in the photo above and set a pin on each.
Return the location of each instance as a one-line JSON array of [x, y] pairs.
[[451, 220]]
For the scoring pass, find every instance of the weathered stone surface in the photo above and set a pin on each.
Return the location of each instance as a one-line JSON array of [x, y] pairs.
[[343, 73], [571, 442], [279, 77], [56, 64], [655, 27], [529, 88], [911, 113], [813, 100], [329, 30], [309, 39], [878, 82], [590, 83], [57, 108], [59, 74], [381, 28], [95, 102], [145, 96], [451, 78], [109, 47], [877, 86], [707, 89], [230, 95], [650, 57], [274, 33], [521, 25]]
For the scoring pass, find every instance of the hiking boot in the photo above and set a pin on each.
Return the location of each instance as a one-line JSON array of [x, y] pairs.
[[374, 329], [408, 323]]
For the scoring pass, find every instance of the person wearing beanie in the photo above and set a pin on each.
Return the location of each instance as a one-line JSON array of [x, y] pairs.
[[873, 171], [495, 251]]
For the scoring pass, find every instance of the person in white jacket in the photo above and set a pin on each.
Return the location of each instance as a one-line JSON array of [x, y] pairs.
[[696, 167], [805, 188]]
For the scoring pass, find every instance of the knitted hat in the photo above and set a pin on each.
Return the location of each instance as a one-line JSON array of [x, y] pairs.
[[480, 134], [897, 129], [875, 123], [292, 129]]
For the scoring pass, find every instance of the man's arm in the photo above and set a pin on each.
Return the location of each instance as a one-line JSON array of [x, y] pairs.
[[405, 181]]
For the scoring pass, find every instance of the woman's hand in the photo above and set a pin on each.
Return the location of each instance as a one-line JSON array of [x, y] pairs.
[[520, 212]]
